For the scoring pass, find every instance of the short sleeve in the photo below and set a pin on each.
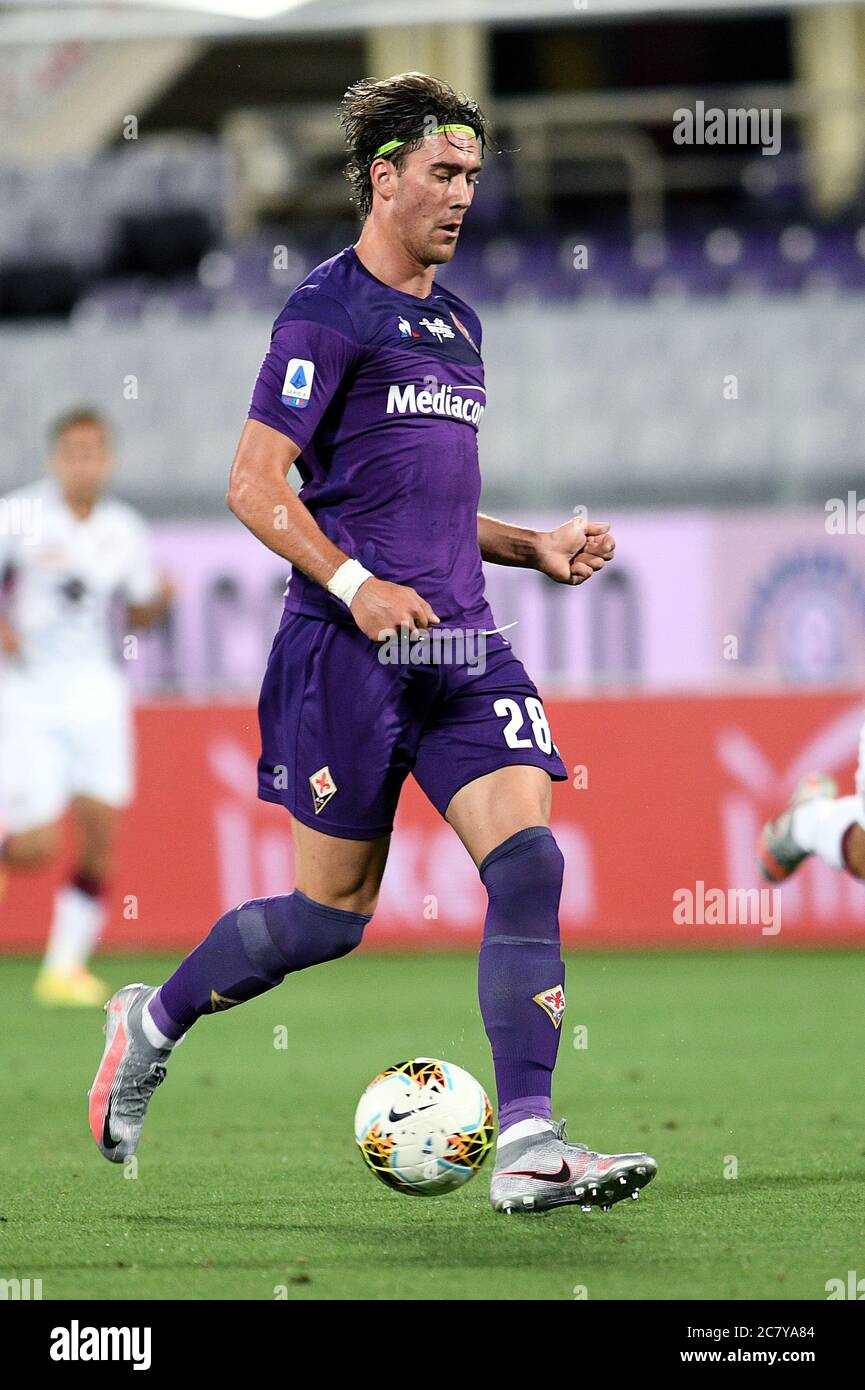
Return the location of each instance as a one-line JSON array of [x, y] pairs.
[[312, 349], [141, 584]]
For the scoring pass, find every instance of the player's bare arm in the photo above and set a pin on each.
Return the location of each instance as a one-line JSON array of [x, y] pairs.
[[260, 497], [570, 554]]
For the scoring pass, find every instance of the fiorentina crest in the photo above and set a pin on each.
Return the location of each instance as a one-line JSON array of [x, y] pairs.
[[552, 1001], [323, 788]]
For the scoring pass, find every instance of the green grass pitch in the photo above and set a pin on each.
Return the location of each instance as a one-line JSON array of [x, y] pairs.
[[249, 1182]]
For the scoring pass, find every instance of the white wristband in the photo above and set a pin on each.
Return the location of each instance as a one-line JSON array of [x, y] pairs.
[[345, 581]]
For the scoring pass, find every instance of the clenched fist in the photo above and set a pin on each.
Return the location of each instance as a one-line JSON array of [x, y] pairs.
[[575, 551], [380, 609]]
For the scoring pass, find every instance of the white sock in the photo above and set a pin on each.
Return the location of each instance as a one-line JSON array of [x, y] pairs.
[[522, 1128], [75, 929], [154, 1035], [819, 825]]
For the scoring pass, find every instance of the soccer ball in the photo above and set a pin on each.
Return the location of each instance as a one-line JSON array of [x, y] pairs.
[[424, 1127]]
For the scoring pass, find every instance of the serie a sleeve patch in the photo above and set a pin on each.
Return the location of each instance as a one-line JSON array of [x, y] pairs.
[[297, 387]]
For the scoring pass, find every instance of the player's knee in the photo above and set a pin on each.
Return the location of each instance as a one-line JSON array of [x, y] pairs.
[[352, 890], [31, 850], [98, 842], [531, 858], [323, 932], [96, 865], [293, 932], [523, 878]]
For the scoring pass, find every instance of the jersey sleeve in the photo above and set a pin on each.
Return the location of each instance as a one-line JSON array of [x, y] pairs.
[[312, 348], [141, 584]]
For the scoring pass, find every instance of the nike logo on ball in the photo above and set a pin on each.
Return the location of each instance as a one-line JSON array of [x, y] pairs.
[[394, 1115], [563, 1175]]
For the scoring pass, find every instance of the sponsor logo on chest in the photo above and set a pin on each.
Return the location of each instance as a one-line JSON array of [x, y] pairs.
[[447, 402]]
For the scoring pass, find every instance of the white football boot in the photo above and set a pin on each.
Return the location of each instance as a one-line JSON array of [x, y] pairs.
[[540, 1171]]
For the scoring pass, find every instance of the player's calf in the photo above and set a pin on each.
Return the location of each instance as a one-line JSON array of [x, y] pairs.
[[29, 850], [249, 951], [77, 921], [520, 971], [816, 821]]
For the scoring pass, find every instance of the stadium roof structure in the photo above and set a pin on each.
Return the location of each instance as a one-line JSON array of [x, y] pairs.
[[52, 21]]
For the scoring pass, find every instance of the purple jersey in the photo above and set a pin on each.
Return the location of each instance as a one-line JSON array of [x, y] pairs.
[[383, 394]]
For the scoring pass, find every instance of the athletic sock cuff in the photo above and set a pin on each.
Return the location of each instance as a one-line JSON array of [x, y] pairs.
[[334, 914], [162, 1019]]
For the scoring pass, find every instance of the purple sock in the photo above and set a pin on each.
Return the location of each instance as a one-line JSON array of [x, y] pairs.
[[520, 972], [525, 1108], [249, 951]]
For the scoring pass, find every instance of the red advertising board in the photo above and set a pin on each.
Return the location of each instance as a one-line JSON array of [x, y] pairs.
[[657, 826]]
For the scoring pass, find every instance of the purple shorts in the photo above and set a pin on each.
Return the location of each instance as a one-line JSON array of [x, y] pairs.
[[341, 730]]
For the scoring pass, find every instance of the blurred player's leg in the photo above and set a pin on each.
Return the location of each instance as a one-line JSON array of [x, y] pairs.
[[53, 755], [249, 951], [75, 925], [826, 825], [31, 849], [817, 822], [27, 850], [854, 850], [254, 946], [35, 775], [79, 910], [502, 820], [96, 737]]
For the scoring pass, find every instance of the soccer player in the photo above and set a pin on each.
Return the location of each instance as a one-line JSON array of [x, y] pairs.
[[817, 821], [374, 388], [66, 553]]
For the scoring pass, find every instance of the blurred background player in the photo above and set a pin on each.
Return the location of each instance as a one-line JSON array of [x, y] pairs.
[[68, 552], [817, 822]]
